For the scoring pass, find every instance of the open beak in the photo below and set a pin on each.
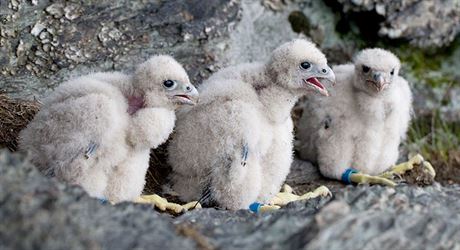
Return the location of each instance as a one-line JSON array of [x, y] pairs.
[[188, 96], [314, 81], [317, 85]]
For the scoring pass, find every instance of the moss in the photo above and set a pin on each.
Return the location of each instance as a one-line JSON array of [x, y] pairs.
[[299, 22], [426, 66]]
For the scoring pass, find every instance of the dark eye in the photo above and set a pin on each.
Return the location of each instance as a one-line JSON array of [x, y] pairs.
[[392, 72], [169, 84], [366, 69], [305, 65]]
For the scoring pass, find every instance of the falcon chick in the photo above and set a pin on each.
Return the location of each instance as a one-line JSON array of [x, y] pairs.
[[96, 131], [235, 146], [361, 126]]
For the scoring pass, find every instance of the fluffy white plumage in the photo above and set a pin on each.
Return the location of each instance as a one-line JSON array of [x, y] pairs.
[[364, 121], [235, 146], [96, 131]]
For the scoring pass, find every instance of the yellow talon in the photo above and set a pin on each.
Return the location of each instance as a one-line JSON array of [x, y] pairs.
[[322, 191], [286, 196], [360, 178], [429, 168], [402, 168], [163, 205], [386, 178], [267, 208]]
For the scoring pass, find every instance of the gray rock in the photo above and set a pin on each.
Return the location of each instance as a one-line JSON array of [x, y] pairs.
[[261, 30], [39, 213], [305, 177], [356, 218], [45, 43], [424, 23]]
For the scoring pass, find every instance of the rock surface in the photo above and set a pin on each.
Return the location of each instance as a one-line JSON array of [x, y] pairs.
[[44, 42], [423, 23], [356, 218], [40, 213]]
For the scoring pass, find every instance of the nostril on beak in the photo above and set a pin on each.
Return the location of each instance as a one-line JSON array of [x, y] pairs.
[[324, 71], [188, 88]]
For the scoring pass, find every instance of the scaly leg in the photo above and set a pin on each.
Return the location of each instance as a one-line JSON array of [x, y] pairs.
[[354, 176], [286, 195], [164, 205], [360, 178], [386, 178]]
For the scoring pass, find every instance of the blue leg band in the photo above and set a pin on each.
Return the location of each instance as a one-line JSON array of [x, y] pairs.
[[103, 200], [347, 174], [254, 207]]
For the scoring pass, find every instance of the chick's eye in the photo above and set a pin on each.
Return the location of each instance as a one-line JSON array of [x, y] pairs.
[[366, 69], [305, 65], [392, 72], [169, 84]]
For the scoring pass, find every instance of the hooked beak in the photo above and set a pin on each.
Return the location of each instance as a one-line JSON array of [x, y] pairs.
[[189, 95], [378, 81], [320, 73]]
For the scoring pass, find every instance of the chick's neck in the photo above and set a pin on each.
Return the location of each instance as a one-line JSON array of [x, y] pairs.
[[276, 99]]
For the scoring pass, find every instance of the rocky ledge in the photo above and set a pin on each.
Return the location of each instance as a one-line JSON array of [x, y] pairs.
[[43, 43], [40, 213]]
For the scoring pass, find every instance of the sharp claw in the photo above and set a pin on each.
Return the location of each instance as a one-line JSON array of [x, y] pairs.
[[323, 191]]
